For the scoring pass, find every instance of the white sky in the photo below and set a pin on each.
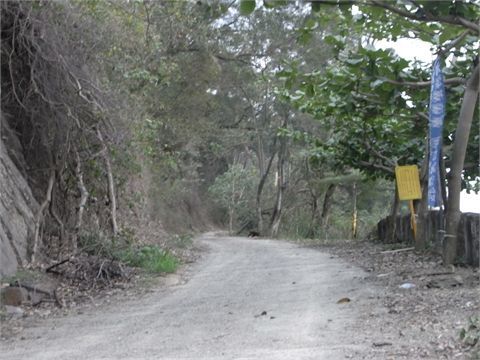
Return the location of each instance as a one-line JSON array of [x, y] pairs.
[[409, 49], [470, 203]]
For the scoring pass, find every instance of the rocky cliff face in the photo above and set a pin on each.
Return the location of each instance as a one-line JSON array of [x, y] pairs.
[[17, 215]]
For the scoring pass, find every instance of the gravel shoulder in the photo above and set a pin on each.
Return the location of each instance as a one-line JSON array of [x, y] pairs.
[[425, 320]]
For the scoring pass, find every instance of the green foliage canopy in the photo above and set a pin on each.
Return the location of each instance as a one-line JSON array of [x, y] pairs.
[[374, 102]]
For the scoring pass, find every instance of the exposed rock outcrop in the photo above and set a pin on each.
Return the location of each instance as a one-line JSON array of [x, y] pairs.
[[17, 215]]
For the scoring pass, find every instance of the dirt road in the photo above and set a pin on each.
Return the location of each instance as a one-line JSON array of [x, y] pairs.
[[245, 299]]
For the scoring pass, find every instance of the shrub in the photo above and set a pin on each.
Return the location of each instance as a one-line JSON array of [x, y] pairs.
[[151, 258]]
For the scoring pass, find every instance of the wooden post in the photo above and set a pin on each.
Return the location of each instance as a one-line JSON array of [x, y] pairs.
[[354, 219], [413, 221]]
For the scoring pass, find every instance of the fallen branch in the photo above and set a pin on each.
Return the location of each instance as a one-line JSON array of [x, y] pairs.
[[51, 267], [397, 250], [439, 273], [380, 344]]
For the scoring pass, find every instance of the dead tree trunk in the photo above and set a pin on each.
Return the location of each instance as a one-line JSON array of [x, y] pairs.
[[84, 194]]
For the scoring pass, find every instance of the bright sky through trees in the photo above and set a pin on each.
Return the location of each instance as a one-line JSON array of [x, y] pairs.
[[409, 49]]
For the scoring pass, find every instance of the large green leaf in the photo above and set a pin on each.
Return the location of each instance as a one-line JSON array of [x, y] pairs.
[[316, 6], [247, 7], [270, 4]]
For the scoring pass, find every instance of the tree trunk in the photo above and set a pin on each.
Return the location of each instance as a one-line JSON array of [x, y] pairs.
[[84, 194], [392, 219], [263, 171], [111, 184], [314, 202], [58, 220], [327, 202], [421, 207], [354, 216], [458, 158], [443, 182], [230, 221], [314, 217], [261, 184], [277, 210], [40, 215]]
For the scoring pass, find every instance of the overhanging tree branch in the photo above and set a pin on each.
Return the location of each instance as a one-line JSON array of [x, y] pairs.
[[422, 16], [377, 166], [451, 81], [443, 51], [379, 155], [425, 16]]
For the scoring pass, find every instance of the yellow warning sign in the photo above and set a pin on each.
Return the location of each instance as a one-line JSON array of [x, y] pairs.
[[408, 182]]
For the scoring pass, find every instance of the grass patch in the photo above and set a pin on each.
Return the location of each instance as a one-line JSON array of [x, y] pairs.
[[150, 258]]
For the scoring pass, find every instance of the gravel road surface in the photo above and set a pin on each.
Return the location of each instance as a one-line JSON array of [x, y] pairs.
[[245, 299]]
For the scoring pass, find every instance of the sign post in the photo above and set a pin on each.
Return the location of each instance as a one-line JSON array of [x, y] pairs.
[[408, 184]]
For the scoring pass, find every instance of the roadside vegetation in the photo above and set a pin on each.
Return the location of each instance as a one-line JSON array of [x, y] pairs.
[[150, 258]]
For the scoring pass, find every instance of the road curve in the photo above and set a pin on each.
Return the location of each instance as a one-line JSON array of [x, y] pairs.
[[245, 299]]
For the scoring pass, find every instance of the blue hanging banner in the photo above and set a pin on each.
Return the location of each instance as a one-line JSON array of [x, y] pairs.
[[436, 117]]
